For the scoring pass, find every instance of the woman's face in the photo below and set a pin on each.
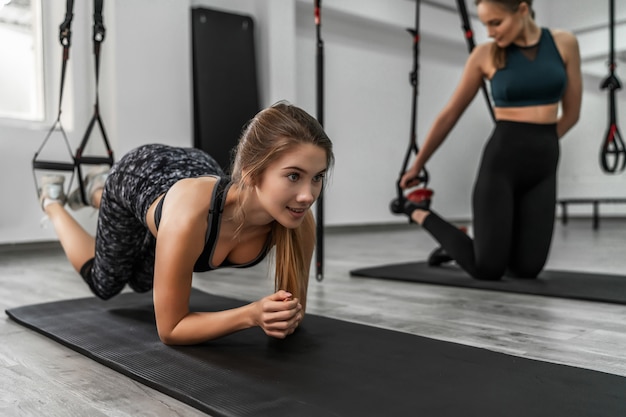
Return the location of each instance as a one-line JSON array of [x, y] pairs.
[[502, 25], [292, 183]]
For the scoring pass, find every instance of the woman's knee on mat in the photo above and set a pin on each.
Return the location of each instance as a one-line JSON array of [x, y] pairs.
[[101, 291], [492, 271], [524, 271]]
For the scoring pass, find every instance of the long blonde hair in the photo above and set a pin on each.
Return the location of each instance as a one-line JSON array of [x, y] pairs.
[[498, 54], [272, 132]]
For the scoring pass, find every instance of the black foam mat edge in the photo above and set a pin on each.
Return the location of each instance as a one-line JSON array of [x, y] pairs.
[[587, 286]]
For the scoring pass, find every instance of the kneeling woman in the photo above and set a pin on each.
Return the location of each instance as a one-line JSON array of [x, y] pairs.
[[167, 212]]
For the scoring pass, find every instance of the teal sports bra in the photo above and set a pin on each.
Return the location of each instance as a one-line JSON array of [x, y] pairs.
[[527, 81]]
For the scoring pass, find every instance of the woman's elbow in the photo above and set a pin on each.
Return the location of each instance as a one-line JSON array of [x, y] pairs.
[[168, 338], [571, 122], [566, 122], [574, 118], [177, 336]]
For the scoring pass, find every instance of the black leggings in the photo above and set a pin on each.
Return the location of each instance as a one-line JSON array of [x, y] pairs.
[[513, 203]]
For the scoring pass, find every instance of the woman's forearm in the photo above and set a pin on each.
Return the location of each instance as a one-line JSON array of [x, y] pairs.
[[435, 137], [198, 327], [278, 315]]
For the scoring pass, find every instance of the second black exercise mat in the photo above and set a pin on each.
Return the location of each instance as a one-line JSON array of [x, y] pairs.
[[328, 368], [560, 284]]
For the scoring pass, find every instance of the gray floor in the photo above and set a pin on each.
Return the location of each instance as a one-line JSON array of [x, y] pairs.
[[42, 378]]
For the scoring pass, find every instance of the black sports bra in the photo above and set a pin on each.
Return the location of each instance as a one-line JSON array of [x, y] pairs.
[[218, 199]]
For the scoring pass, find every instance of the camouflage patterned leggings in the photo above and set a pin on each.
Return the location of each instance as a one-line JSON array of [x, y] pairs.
[[124, 245]]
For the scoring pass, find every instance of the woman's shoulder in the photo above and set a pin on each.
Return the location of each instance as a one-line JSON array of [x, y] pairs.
[[482, 48], [566, 42], [194, 183], [482, 52], [192, 196], [481, 58], [562, 36]]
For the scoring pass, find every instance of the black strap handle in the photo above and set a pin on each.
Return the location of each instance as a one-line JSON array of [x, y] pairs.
[[53, 165]]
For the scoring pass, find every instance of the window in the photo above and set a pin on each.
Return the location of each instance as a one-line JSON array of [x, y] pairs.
[[21, 69]]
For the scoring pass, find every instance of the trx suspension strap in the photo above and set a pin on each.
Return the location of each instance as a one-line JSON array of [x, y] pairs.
[[469, 37], [65, 37], [80, 159], [319, 250], [398, 202], [613, 150]]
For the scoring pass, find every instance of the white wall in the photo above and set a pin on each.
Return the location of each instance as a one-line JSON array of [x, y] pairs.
[[367, 109], [145, 94]]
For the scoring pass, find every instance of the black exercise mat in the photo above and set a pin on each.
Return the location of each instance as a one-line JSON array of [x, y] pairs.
[[327, 368], [560, 284]]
